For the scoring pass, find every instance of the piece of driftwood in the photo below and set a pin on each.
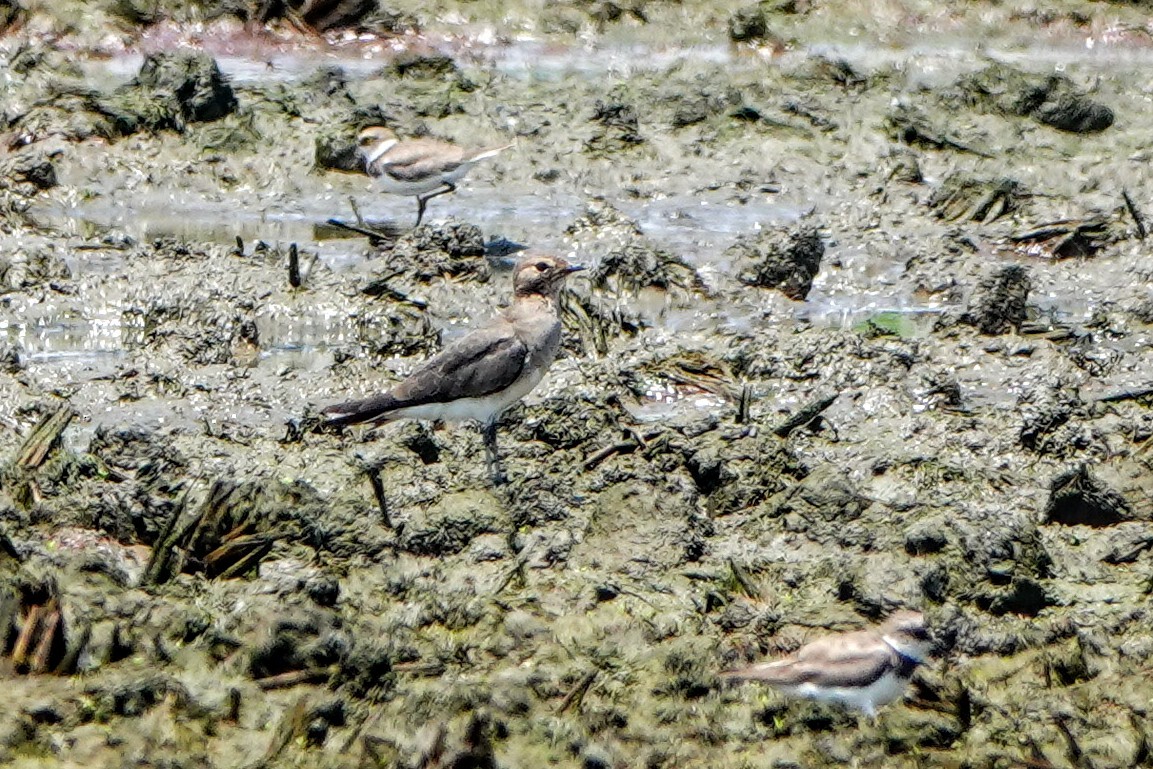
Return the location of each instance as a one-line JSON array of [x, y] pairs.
[[1067, 238], [803, 417], [375, 237], [294, 266], [43, 438], [577, 693], [1138, 218]]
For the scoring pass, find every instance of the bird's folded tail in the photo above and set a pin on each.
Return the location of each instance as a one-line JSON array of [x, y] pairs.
[[769, 672], [355, 412], [487, 152]]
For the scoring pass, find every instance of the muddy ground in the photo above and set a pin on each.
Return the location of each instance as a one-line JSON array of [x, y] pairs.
[[717, 468]]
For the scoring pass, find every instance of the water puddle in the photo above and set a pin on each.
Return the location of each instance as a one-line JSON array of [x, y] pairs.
[[697, 226]]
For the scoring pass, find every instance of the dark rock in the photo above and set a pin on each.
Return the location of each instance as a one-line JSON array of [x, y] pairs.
[[617, 128], [132, 109], [1068, 664], [926, 537], [193, 79], [736, 615], [45, 713], [27, 172], [11, 355], [1049, 99], [593, 758], [606, 592], [699, 102], [324, 591], [1000, 301], [424, 65], [302, 643], [838, 71], [1078, 497], [749, 24], [786, 258], [332, 712], [1023, 596], [316, 732]]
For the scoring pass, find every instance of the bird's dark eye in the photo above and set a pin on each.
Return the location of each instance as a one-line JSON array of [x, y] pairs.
[[541, 266]]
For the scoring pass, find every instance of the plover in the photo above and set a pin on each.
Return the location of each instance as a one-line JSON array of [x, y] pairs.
[[863, 670], [484, 372], [423, 168]]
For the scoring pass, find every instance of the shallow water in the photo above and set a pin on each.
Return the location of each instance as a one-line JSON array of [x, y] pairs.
[[696, 226]]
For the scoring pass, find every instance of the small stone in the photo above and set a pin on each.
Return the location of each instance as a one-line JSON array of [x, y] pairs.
[[324, 591], [925, 537]]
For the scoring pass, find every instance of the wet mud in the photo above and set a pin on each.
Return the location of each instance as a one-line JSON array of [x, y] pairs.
[[866, 326]]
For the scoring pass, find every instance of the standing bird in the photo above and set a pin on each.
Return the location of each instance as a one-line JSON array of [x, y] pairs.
[[484, 372], [423, 168], [864, 669]]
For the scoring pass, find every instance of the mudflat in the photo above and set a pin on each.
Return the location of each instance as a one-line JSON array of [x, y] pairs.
[[866, 326]]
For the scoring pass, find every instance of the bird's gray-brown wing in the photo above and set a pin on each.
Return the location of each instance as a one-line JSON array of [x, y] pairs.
[[418, 159], [851, 660], [483, 362]]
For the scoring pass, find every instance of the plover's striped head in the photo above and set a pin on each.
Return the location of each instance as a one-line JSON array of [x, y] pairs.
[[541, 275], [375, 140], [907, 633]]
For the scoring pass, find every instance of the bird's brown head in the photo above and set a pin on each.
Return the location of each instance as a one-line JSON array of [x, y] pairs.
[[907, 631], [541, 276], [375, 139]]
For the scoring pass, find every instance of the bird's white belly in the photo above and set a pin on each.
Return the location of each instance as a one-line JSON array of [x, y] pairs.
[[421, 186], [418, 187], [864, 698], [483, 409]]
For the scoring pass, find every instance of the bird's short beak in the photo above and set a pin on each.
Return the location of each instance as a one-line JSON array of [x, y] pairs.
[[573, 268]]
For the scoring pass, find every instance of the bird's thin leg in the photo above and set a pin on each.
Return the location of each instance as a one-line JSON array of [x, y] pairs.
[[447, 188], [491, 455], [422, 200]]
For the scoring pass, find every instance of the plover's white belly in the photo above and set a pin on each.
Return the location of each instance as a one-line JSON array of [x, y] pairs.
[[421, 186], [482, 409], [410, 187], [864, 698]]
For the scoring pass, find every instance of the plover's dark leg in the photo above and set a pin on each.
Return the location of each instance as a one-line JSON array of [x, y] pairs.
[[491, 455], [422, 200]]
